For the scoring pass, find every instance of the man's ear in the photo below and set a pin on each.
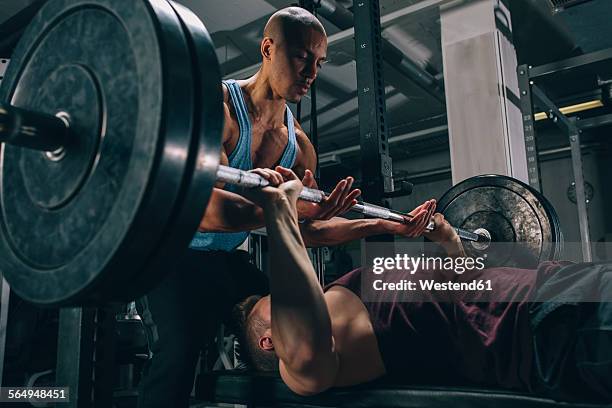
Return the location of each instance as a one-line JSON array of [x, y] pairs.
[[265, 343], [266, 47]]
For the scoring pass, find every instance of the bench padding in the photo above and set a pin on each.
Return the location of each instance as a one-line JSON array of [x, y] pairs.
[[264, 389]]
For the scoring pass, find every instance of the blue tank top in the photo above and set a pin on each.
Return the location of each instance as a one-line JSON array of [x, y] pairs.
[[240, 158]]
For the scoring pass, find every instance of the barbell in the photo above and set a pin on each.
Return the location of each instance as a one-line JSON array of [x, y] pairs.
[[111, 116], [252, 180]]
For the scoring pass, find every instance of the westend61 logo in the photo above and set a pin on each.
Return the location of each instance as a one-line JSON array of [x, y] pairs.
[[411, 264], [432, 274]]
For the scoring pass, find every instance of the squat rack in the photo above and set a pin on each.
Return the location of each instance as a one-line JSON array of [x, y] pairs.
[[531, 85]]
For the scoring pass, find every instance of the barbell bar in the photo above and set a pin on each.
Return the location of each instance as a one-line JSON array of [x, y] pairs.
[[247, 179]]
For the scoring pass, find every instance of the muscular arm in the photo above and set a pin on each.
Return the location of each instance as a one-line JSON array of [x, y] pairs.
[[227, 211], [230, 212], [337, 230], [301, 325]]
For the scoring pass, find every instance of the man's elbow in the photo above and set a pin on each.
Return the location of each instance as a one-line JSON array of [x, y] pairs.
[[206, 225], [226, 216], [312, 389], [315, 382], [311, 376], [311, 383], [212, 222]]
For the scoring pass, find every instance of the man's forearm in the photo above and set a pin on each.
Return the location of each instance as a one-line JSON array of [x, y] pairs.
[[230, 212], [454, 248], [338, 230]]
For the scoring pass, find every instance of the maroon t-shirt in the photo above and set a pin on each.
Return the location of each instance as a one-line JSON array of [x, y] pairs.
[[481, 341]]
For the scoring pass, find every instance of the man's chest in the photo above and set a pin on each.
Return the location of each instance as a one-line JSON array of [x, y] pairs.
[[266, 148]]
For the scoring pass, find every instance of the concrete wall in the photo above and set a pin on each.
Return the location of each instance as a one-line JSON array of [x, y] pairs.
[[556, 176]]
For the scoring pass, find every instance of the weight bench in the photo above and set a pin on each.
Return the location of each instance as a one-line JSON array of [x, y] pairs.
[[267, 389]]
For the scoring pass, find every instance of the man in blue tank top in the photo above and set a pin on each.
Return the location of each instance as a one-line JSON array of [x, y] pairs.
[[259, 133]]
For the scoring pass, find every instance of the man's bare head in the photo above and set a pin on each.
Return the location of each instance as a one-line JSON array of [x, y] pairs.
[[253, 327], [293, 48], [284, 22]]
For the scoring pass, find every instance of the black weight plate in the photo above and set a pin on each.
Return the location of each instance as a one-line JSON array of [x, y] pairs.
[[204, 152], [524, 226], [74, 230]]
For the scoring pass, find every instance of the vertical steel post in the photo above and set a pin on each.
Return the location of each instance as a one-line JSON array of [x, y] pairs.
[[376, 167], [533, 167], [583, 216]]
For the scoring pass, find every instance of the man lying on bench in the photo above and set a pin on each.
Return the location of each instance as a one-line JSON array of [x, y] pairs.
[[319, 339]]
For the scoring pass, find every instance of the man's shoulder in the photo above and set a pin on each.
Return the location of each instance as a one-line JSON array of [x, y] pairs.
[[303, 141], [351, 280], [301, 137], [225, 89]]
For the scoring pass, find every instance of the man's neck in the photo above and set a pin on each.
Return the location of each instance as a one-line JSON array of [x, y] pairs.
[[266, 108]]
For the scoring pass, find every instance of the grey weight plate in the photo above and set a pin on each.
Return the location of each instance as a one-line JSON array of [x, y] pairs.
[[523, 225]]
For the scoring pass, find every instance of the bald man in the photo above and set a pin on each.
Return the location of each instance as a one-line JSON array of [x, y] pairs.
[[259, 133]]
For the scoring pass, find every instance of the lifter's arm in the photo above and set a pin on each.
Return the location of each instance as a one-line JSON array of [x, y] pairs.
[[301, 325]]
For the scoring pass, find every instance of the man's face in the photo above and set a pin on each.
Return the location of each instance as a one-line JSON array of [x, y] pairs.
[[296, 61]]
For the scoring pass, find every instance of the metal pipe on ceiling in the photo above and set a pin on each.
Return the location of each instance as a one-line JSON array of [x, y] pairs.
[[544, 155], [343, 19], [419, 134]]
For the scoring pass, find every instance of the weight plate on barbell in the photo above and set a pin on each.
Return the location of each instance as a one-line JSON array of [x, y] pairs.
[[203, 156], [524, 226], [75, 230]]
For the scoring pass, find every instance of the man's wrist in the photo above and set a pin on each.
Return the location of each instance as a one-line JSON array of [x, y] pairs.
[[275, 202], [277, 206], [381, 226]]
